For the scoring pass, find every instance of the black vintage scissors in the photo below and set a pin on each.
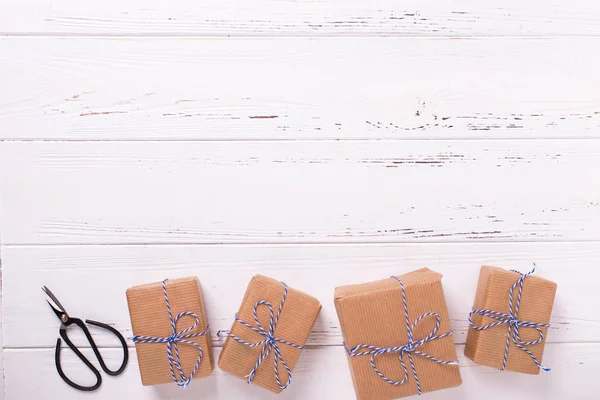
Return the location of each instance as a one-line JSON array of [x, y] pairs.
[[66, 321]]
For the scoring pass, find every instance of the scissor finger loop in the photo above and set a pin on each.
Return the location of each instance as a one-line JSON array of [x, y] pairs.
[[87, 363]]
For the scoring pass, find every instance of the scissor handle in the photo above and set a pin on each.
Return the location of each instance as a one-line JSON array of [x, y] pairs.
[[87, 363], [98, 356], [81, 325]]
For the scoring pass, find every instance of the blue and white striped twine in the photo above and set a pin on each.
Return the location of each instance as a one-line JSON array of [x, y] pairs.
[[513, 322], [174, 339], [269, 343], [409, 349]]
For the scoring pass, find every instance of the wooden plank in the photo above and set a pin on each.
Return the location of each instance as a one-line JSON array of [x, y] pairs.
[[306, 18], [222, 89], [299, 192], [91, 281], [321, 373]]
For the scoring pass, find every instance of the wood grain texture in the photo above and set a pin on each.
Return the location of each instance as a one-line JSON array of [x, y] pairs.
[[91, 281], [300, 192], [301, 18], [287, 89], [321, 373]]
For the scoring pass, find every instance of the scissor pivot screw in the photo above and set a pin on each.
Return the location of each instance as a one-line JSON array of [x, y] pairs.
[[64, 318]]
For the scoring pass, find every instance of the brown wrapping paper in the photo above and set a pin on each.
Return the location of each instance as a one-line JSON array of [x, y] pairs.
[[149, 317], [373, 313], [295, 323], [487, 347]]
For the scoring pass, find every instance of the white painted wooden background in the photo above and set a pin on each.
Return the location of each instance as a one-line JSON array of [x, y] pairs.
[[321, 142]]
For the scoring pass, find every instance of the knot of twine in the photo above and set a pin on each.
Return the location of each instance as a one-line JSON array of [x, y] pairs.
[[173, 340], [409, 349], [513, 322], [270, 343]]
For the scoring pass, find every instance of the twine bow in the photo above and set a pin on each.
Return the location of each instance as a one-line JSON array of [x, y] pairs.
[[409, 349], [174, 339], [270, 343], [513, 322]]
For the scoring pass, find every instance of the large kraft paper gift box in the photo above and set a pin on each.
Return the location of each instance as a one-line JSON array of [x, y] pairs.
[[294, 314], [149, 317], [488, 346], [373, 315]]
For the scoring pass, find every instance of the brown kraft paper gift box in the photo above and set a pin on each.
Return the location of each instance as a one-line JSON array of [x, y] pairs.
[[487, 347], [297, 318], [149, 317], [373, 314]]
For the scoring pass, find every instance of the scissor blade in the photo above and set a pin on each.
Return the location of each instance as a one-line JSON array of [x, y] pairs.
[[59, 307]]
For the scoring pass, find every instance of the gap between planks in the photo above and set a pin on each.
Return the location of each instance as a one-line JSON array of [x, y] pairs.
[[219, 345], [291, 243], [298, 35], [314, 140]]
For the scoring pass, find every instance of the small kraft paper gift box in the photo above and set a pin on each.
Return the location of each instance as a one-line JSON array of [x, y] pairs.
[[509, 320], [171, 332], [397, 336], [268, 334]]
